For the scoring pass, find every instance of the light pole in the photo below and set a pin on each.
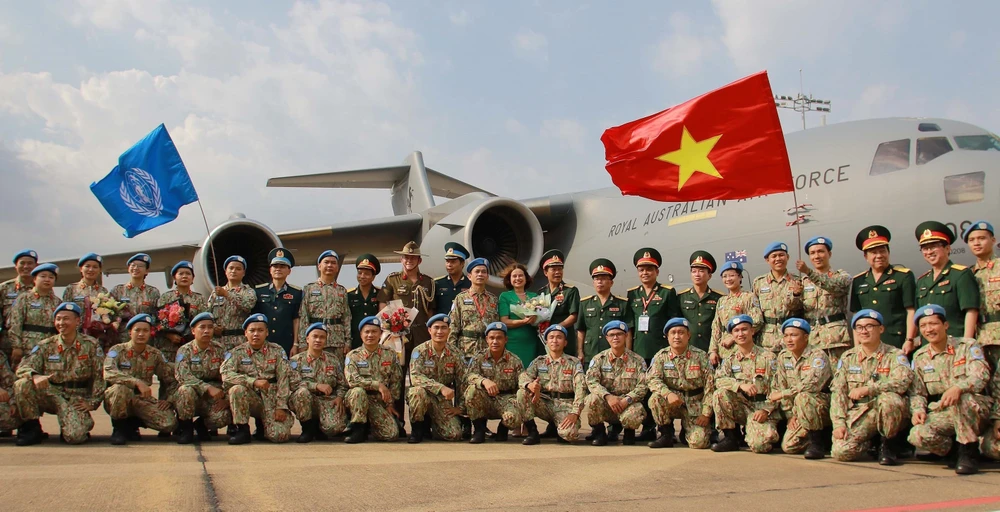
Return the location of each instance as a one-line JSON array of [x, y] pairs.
[[802, 103]]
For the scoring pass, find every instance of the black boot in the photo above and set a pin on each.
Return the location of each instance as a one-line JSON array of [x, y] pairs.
[[648, 432], [815, 449], [416, 432], [682, 436], [359, 433], [479, 435], [533, 437], [308, 431], [502, 433], [466, 428], [552, 431], [666, 439], [29, 433], [614, 432], [242, 435], [118, 436], [600, 435], [629, 438], [968, 459], [258, 434], [204, 435], [185, 429], [887, 455], [952, 456], [730, 442], [132, 430]]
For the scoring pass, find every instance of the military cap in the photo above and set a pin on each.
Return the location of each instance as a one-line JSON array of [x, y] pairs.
[[703, 259], [930, 310], [932, 231], [182, 264], [237, 258], [143, 317], [280, 256], [254, 318], [496, 326], [555, 327], [369, 320], [731, 265], [143, 257], [647, 256], [90, 256], [797, 323], [553, 258], [867, 313], [977, 226], [440, 317], [45, 267], [370, 262], [326, 254], [410, 249], [603, 266], [775, 246], [200, 317], [737, 320], [872, 237], [25, 253], [613, 325], [476, 262], [819, 240], [455, 250], [316, 325], [676, 321], [68, 306]]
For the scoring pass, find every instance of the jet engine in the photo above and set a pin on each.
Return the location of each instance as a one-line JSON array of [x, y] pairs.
[[238, 235]]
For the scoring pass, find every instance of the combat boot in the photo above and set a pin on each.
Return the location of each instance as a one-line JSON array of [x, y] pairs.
[[682, 436], [29, 433], [359, 433], [648, 431], [600, 435], [308, 431], [132, 429], [968, 459], [666, 439], [614, 432], [533, 437], [185, 429], [259, 434], [466, 427], [952, 456], [242, 434], [552, 431], [502, 433], [204, 434], [815, 449], [417, 430], [479, 435], [118, 435], [730, 442], [628, 439], [887, 456]]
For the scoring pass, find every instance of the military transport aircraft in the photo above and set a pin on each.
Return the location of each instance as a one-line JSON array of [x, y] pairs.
[[896, 172]]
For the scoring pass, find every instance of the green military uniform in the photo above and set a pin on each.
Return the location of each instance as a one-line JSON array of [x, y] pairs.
[[699, 310], [954, 288], [363, 306], [891, 294], [648, 313], [566, 297], [594, 313]]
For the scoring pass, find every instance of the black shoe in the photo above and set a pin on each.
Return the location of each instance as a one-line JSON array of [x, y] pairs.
[[6, 433], [242, 435], [502, 433], [308, 431], [815, 449], [204, 434], [118, 435], [648, 434], [930, 457], [466, 428], [552, 431], [730, 442], [132, 430], [359, 433], [666, 439], [952, 455], [163, 435], [417, 430], [401, 426], [258, 434], [628, 439], [185, 430], [682, 436], [479, 436], [968, 459], [886, 455], [600, 435], [614, 432], [29, 433], [533, 437]]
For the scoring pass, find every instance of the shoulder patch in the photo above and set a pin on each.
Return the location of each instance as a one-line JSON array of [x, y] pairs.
[[35, 349], [901, 358], [924, 274], [901, 269], [619, 297], [295, 364], [956, 266], [686, 290], [976, 353], [440, 278], [588, 297], [111, 353], [263, 285], [634, 288], [352, 290], [568, 286], [180, 356], [227, 356], [860, 274]]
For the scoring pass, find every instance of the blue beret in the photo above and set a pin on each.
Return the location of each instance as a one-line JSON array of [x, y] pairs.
[[25, 252], [737, 320], [90, 256], [254, 318], [798, 323], [68, 306], [45, 267], [143, 257], [143, 317], [731, 265], [975, 226], [316, 325], [775, 246], [819, 240], [369, 320], [614, 324], [473, 263], [182, 264], [866, 313], [440, 317], [677, 321], [929, 310], [201, 317], [496, 326], [555, 327], [237, 258], [326, 254]]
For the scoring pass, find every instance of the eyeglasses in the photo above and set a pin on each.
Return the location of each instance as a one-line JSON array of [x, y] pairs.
[[865, 327], [616, 334]]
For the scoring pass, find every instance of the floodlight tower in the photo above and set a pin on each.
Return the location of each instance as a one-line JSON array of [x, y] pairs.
[[802, 103]]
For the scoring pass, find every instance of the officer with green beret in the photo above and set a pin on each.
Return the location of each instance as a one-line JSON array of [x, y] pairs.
[[599, 309], [946, 284], [448, 286], [280, 301], [363, 299], [888, 289], [698, 302], [565, 296]]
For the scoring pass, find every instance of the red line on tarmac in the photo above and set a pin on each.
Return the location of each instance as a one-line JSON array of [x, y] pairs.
[[935, 506]]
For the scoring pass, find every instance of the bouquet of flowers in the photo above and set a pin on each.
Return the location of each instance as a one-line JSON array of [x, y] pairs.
[[174, 318], [540, 307], [102, 317], [396, 321]]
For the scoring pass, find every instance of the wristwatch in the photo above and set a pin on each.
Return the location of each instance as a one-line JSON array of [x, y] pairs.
[[628, 399]]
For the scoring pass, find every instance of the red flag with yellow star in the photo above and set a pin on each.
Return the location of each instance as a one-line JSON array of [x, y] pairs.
[[726, 144]]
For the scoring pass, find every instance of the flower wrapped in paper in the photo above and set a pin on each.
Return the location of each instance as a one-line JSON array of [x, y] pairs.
[[102, 318], [396, 320], [540, 307], [175, 317]]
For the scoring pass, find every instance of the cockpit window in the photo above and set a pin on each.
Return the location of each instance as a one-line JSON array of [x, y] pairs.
[[891, 156], [930, 148], [978, 142], [965, 188]]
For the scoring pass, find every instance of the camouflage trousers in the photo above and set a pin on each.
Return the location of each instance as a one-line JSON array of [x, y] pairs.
[[696, 436], [246, 403], [191, 404], [552, 410], [31, 403], [505, 406], [423, 403], [992, 353], [6, 346], [884, 414], [9, 417], [368, 407], [732, 409], [307, 405], [121, 402], [961, 422], [812, 411], [231, 342], [771, 338], [599, 412], [991, 443], [834, 355]]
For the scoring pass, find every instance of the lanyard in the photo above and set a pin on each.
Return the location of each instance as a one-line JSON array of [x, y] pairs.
[[647, 300]]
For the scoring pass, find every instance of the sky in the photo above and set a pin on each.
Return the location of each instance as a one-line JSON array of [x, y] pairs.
[[511, 97]]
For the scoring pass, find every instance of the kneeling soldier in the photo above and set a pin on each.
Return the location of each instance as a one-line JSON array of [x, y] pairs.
[[9, 417], [319, 388], [199, 379], [375, 380], [436, 373], [681, 383], [555, 386], [128, 370], [256, 375], [492, 387], [616, 380], [802, 388]]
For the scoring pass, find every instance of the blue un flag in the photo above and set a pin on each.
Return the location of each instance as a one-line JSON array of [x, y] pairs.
[[148, 186]]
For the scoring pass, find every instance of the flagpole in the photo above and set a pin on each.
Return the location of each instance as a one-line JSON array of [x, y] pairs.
[[211, 246]]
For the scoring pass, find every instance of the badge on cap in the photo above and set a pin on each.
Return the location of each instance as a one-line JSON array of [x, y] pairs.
[[279, 254], [872, 233]]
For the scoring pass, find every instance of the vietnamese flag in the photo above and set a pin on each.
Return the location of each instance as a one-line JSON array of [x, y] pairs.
[[726, 144]]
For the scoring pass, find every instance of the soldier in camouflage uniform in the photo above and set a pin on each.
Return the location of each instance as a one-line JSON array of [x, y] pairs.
[[491, 392], [137, 296], [318, 388], [825, 296], [89, 286], [326, 301], [363, 300], [258, 380], [437, 373], [867, 393], [616, 381], [62, 376], [736, 302], [128, 372], [231, 304], [199, 377], [699, 303], [31, 315], [742, 383], [183, 274], [979, 236], [946, 397], [24, 262], [681, 384], [10, 419], [474, 309], [554, 387], [779, 294], [375, 381], [991, 430], [801, 389]]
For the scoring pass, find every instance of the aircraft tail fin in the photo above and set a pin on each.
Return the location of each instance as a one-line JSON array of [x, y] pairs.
[[412, 186]]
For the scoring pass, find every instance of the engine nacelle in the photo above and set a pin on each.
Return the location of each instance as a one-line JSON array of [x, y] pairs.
[[238, 235]]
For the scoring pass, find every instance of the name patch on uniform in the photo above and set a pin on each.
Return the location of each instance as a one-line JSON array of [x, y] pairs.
[[468, 302], [765, 289], [789, 366], [929, 369], [125, 364], [246, 360], [54, 357], [386, 363], [316, 292], [809, 288], [567, 371], [272, 361], [35, 305], [307, 369], [694, 368], [668, 366], [761, 371], [429, 362], [194, 359], [82, 357], [606, 368], [543, 369], [508, 370], [736, 368], [12, 295], [362, 364], [856, 370], [486, 365]]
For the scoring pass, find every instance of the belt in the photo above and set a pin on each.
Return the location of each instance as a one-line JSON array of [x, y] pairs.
[[568, 396], [987, 318], [759, 397], [334, 320], [39, 328], [75, 384], [770, 320], [469, 333], [506, 393], [933, 398], [692, 393], [232, 332], [823, 320]]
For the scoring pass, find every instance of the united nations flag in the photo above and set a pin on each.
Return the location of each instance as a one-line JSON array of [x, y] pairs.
[[148, 186]]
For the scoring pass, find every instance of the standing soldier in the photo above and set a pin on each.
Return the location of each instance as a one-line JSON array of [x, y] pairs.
[[779, 294], [89, 285], [318, 388], [437, 373], [363, 300], [31, 315], [24, 262], [698, 303], [825, 295], [231, 304], [565, 296], [137, 296], [192, 301], [280, 301], [448, 286], [616, 381], [736, 302], [801, 389], [415, 290], [742, 384], [128, 372], [199, 377], [256, 374], [375, 382], [946, 284], [325, 301], [979, 236], [885, 288], [474, 309], [867, 393], [681, 384], [62, 376], [491, 392], [599, 309], [554, 387]]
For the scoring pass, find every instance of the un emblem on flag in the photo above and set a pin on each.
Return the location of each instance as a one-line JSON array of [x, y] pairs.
[[140, 192]]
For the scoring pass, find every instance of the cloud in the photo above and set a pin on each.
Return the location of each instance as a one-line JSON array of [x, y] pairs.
[[681, 52], [570, 134], [532, 46], [461, 18], [514, 126]]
